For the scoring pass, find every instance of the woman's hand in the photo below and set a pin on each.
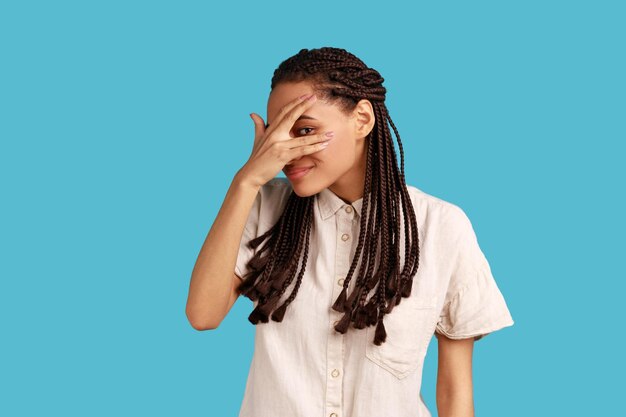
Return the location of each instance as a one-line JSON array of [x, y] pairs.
[[274, 148]]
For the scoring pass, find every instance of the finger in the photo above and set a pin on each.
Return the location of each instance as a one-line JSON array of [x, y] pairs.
[[295, 153], [321, 139], [286, 109], [259, 125], [309, 139], [292, 115]]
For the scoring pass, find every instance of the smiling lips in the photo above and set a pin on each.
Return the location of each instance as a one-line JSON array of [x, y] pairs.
[[297, 172]]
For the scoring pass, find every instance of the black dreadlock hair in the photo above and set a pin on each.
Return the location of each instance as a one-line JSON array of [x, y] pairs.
[[340, 77]]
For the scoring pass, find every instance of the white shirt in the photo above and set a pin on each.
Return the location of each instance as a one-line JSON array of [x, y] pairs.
[[303, 367]]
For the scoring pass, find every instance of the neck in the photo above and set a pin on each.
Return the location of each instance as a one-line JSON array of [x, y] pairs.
[[350, 186]]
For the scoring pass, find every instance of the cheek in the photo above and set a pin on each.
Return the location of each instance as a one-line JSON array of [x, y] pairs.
[[339, 153]]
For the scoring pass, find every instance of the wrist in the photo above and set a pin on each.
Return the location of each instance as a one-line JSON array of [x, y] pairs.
[[243, 180]]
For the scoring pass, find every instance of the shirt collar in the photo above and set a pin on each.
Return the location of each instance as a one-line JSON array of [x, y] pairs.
[[328, 203]]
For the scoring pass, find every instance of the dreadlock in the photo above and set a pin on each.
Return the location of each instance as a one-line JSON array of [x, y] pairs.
[[342, 78]]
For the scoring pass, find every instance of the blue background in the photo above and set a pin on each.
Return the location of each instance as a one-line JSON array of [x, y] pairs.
[[123, 123]]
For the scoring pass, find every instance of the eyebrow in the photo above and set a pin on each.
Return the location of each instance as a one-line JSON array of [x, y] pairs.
[[304, 116]]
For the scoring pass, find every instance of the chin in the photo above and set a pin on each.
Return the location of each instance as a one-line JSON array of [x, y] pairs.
[[306, 188]]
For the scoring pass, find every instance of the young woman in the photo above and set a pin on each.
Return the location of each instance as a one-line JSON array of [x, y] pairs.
[[351, 271]]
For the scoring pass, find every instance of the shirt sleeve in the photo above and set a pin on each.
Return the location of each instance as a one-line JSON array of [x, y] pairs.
[[474, 305], [249, 232]]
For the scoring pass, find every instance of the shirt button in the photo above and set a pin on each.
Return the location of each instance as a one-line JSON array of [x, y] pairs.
[[345, 237], [335, 373], [349, 209], [333, 415], [340, 281]]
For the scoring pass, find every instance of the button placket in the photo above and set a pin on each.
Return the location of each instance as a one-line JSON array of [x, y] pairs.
[[334, 380]]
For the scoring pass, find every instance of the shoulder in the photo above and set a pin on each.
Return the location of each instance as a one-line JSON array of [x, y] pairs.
[[275, 189], [272, 199], [436, 212]]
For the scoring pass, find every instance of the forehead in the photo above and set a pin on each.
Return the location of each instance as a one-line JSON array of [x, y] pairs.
[[284, 93]]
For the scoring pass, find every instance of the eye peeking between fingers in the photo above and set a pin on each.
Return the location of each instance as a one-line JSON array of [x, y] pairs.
[[299, 131]]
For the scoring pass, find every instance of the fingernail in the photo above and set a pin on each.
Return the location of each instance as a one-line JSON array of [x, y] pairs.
[[304, 96], [312, 98], [329, 134]]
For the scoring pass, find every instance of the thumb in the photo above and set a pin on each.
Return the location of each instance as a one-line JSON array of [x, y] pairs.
[[259, 125]]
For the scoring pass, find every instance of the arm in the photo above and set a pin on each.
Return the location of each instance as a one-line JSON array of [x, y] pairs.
[[454, 377], [212, 290], [213, 279]]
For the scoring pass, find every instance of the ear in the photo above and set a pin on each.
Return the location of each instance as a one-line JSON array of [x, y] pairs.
[[363, 116]]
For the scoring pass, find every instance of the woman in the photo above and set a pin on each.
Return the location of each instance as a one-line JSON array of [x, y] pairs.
[[380, 266]]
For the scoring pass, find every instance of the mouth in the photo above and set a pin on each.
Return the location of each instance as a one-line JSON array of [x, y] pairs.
[[295, 173]]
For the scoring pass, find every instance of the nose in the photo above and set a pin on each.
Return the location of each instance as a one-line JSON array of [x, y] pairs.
[[296, 159]]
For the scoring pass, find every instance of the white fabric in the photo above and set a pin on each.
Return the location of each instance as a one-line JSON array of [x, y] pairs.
[[303, 367]]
